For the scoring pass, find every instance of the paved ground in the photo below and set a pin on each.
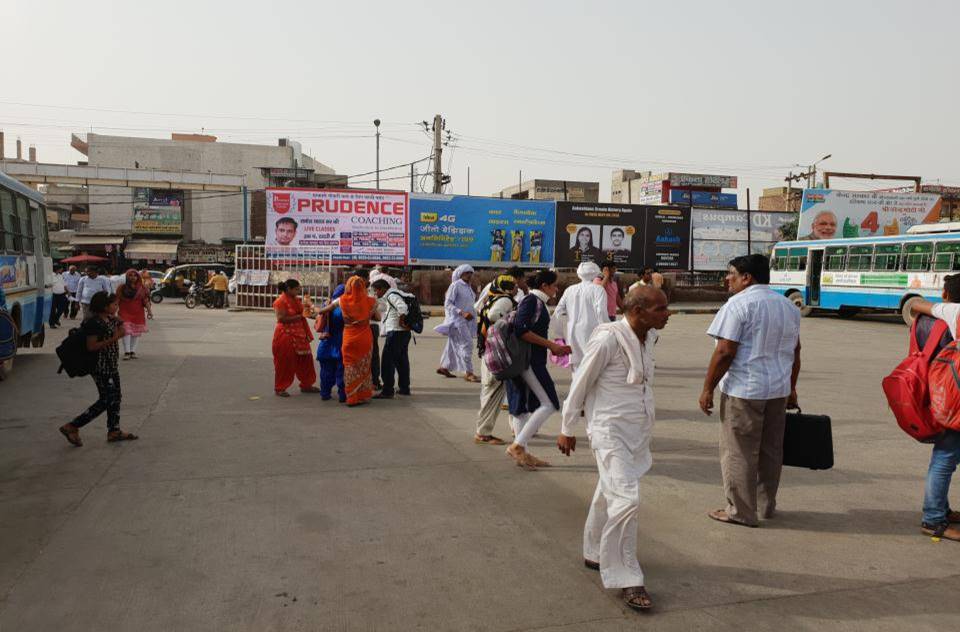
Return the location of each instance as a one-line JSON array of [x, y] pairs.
[[240, 511]]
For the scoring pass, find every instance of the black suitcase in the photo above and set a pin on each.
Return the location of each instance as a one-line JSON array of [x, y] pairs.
[[808, 441]]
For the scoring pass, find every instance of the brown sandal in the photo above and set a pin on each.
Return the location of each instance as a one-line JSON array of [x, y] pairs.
[[720, 515], [488, 440], [72, 434], [445, 373], [470, 377], [637, 598], [120, 435]]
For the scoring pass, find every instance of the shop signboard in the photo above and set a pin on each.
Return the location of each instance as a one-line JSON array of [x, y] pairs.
[[702, 180], [455, 229], [348, 227], [831, 213], [157, 211], [705, 199]]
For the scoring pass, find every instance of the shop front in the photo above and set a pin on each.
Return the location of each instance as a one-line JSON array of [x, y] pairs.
[[151, 253]]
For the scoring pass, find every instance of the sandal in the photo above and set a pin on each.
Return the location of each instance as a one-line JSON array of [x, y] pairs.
[[720, 515], [488, 440], [445, 373], [72, 433], [594, 566], [470, 377], [119, 435], [309, 389], [282, 394], [637, 598], [536, 462]]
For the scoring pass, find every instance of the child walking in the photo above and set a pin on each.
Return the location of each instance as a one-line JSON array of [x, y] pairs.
[[103, 329]]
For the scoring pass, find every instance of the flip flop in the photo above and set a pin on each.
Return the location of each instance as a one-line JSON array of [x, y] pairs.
[[488, 440], [637, 598], [445, 373], [720, 515]]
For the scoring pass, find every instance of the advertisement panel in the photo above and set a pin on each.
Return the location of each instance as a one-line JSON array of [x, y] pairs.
[[703, 198], [597, 232], [157, 211], [14, 273], [455, 229], [351, 227], [667, 238], [702, 180], [830, 213], [721, 235]]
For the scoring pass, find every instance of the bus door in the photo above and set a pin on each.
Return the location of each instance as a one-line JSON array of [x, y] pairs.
[[814, 270]]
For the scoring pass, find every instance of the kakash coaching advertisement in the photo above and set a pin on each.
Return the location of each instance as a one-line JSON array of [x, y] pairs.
[[455, 229], [351, 227]]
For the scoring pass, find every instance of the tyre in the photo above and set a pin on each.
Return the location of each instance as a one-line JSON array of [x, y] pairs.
[[848, 312], [190, 302], [906, 311], [156, 297], [38, 339], [6, 367], [797, 299]]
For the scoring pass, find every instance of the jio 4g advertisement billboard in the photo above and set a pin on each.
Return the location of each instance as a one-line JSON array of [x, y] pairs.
[[630, 235], [455, 229]]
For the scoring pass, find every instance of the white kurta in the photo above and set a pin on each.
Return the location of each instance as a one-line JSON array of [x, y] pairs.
[[460, 332], [583, 307], [620, 418]]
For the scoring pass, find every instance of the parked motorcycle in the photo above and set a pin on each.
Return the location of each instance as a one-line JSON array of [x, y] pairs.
[[198, 294]]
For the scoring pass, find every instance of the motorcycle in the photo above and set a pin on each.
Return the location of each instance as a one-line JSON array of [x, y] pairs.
[[198, 293]]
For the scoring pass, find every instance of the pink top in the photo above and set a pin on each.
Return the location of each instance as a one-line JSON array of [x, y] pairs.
[[612, 291]]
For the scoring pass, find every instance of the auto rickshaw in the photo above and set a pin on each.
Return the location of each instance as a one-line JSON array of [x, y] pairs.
[[177, 280]]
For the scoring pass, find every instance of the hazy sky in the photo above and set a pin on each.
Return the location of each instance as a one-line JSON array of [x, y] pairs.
[[564, 90]]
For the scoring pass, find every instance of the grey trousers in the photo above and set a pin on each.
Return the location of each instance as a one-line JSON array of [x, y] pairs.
[[751, 454], [492, 391]]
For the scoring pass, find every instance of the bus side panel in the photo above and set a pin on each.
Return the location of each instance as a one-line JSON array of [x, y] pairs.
[[834, 298], [41, 312], [783, 289]]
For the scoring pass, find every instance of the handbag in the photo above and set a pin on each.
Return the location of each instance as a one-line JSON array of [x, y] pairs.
[[808, 441]]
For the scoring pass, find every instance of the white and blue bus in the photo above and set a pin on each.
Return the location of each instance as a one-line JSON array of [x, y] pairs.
[[876, 273], [26, 269]]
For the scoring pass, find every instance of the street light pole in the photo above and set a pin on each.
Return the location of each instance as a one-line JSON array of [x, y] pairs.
[[376, 123]]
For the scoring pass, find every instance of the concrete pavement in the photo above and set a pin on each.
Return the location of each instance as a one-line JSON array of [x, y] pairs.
[[241, 511]]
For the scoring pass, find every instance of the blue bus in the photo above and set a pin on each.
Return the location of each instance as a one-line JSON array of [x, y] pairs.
[[878, 273], [26, 270]]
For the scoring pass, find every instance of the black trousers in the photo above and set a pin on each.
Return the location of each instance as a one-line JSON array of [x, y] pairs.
[[74, 305], [375, 358], [396, 358], [58, 308], [108, 388], [220, 298]]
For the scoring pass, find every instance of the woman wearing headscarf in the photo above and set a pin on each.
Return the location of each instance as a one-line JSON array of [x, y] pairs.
[[459, 308], [329, 354], [533, 395], [358, 309], [134, 302], [291, 342], [498, 302]]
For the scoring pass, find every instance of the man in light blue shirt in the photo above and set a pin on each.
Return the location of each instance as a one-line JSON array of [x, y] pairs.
[[90, 285], [756, 364]]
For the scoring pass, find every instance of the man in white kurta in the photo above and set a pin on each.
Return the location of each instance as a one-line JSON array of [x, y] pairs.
[[614, 388], [582, 308]]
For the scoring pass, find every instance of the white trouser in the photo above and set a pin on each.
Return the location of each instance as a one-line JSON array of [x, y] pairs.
[[610, 535], [130, 343], [529, 424]]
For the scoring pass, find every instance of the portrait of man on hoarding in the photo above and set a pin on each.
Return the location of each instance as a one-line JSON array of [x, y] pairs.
[[617, 244], [286, 231], [824, 226], [582, 245]]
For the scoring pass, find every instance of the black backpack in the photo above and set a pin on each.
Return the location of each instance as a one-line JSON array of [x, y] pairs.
[[414, 317], [75, 359]]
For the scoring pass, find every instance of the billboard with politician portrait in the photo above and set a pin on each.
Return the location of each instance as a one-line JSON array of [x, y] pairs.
[[491, 232], [829, 213], [349, 227]]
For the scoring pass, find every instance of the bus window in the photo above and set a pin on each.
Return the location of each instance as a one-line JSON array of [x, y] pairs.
[[836, 258], [917, 257], [11, 227], [947, 259], [780, 259], [887, 258], [861, 258], [26, 225], [797, 259]]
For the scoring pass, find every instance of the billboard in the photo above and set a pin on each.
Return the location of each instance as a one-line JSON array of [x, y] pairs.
[[455, 229], [351, 227], [157, 211], [829, 213], [631, 235], [721, 235], [703, 198]]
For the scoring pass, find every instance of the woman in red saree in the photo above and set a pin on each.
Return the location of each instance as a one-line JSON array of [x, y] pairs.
[[291, 342], [358, 308]]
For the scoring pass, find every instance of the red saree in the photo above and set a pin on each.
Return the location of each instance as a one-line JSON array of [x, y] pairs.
[[291, 346]]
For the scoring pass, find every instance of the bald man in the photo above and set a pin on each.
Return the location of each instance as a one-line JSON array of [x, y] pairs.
[[614, 388]]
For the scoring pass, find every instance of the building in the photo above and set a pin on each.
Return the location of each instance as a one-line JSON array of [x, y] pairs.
[[647, 187], [169, 214], [775, 199], [557, 190]]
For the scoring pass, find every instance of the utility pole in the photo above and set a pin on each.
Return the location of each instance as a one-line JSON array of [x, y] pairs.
[[411, 177], [376, 124], [437, 152], [468, 180]]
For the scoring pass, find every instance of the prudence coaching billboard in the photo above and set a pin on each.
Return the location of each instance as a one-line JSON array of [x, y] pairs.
[[829, 213], [455, 229], [351, 227]]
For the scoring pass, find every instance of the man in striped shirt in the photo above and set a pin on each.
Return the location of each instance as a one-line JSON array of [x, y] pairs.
[[756, 364]]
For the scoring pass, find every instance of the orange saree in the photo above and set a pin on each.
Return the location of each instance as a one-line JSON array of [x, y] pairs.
[[357, 306]]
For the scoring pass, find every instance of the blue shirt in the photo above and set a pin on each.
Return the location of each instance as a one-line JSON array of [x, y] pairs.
[[71, 281], [767, 327]]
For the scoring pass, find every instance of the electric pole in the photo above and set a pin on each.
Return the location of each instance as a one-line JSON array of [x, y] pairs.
[[438, 125]]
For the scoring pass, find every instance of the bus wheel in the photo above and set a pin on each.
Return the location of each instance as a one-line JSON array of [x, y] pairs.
[[848, 312], [906, 312], [797, 299], [5, 368], [37, 340]]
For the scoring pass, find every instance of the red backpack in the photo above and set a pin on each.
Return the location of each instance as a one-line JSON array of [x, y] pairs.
[[910, 386], [944, 383]]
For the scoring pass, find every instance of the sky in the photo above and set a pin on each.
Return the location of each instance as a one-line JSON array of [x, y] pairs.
[[555, 90]]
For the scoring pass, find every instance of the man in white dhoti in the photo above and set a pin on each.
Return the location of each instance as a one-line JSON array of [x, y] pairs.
[[582, 308], [614, 388], [459, 326]]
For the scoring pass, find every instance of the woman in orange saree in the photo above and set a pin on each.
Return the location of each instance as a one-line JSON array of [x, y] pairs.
[[291, 342], [358, 308]]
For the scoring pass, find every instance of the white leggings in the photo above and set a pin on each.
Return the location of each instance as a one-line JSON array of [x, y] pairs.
[[130, 343], [527, 425]]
